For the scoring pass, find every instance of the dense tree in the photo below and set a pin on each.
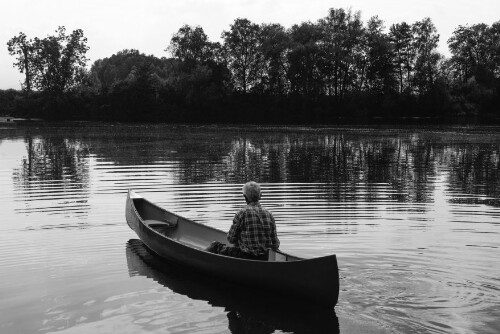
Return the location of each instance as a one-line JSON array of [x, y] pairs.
[[425, 42], [343, 32], [335, 68], [54, 67], [241, 50], [201, 73], [22, 48], [380, 71], [59, 61], [109, 71], [138, 96], [476, 52], [495, 46], [275, 43], [191, 44], [52, 64], [305, 60], [401, 36], [474, 69]]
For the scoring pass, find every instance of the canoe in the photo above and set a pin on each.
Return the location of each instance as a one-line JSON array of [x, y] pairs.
[[183, 241]]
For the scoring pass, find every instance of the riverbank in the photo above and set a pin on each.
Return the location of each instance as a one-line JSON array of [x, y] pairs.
[[248, 108]]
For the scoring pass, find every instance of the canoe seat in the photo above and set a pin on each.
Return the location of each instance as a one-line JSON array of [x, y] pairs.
[[276, 257], [159, 223]]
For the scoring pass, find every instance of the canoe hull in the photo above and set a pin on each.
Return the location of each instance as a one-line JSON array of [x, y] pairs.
[[316, 280]]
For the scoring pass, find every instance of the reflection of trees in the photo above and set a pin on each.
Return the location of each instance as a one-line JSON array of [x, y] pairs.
[[413, 163], [475, 170], [201, 160], [54, 165], [340, 162], [352, 165], [53, 159], [405, 163]]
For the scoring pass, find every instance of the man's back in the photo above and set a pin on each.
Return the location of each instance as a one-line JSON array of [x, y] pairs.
[[254, 230]]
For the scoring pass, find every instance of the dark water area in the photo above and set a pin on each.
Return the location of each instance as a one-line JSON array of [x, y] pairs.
[[413, 215]]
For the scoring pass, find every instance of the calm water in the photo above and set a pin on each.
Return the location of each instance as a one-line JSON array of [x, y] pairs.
[[412, 214]]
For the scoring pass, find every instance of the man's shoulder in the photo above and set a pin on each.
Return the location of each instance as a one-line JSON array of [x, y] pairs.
[[252, 209], [264, 209], [240, 212]]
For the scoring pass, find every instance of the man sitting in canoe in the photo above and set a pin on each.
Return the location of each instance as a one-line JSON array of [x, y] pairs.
[[253, 231]]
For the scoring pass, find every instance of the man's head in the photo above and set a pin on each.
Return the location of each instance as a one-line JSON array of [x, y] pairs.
[[251, 191]]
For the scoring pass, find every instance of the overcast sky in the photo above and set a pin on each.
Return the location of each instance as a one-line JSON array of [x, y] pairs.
[[148, 25]]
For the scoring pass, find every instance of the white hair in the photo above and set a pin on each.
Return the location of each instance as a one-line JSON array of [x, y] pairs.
[[252, 191]]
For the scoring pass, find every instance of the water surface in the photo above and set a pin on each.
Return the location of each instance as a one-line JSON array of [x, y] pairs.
[[412, 214]]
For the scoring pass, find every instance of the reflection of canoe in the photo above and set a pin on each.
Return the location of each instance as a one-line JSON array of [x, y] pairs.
[[183, 241], [247, 309]]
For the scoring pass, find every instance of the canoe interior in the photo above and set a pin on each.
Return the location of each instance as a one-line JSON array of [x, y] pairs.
[[187, 232]]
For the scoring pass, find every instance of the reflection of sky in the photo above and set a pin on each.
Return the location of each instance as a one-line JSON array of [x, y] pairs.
[[11, 153]]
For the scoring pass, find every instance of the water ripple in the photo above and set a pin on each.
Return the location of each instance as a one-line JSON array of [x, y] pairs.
[[413, 217]]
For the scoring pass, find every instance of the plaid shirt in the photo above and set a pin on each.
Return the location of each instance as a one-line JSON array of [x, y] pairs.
[[254, 230]]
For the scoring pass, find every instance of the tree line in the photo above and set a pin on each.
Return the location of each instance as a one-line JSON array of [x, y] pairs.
[[337, 69]]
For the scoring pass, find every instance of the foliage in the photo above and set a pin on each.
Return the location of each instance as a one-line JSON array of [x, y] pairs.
[[53, 64], [241, 52], [342, 40], [274, 43], [476, 52], [123, 65], [380, 67], [191, 45], [337, 69], [425, 42], [305, 60], [22, 48], [401, 38]]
